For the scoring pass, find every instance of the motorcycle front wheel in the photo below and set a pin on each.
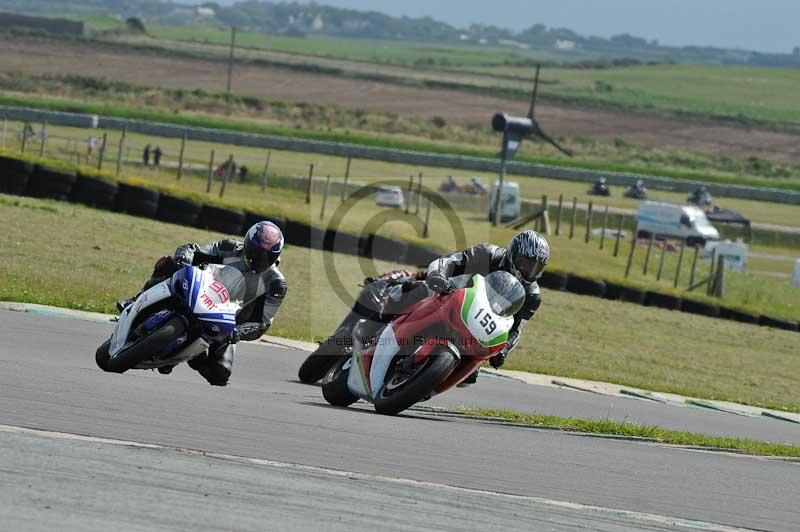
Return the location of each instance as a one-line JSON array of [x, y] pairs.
[[142, 350], [405, 388], [334, 385]]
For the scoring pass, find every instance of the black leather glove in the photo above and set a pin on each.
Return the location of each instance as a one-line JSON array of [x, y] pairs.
[[234, 337], [184, 257], [498, 360], [438, 283]]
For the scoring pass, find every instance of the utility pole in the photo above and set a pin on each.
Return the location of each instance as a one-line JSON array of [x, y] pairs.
[[230, 59]]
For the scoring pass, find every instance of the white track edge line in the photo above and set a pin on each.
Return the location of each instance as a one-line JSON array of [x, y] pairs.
[[632, 515]]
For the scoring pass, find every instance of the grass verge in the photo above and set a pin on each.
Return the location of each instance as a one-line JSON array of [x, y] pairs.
[[378, 141], [633, 430]]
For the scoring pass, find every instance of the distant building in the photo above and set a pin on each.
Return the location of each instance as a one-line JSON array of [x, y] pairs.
[[205, 12], [483, 41], [463, 37], [514, 44], [318, 23], [564, 45]]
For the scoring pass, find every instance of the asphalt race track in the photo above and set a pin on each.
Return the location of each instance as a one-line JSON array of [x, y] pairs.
[[84, 450]]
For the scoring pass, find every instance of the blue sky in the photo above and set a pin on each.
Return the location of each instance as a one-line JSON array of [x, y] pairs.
[[764, 25]]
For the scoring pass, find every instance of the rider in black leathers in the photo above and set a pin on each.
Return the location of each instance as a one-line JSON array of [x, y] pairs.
[[265, 288], [382, 299]]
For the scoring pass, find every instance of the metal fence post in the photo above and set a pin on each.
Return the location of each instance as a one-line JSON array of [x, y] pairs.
[[619, 235], [710, 289], [347, 178], [605, 226], [5, 131], [325, 197], [426, 233], [43, 139], [266, 171], [102, 153], [210, 172], [419, 194], [694, 265], [545, 225], [308, 185], [574, 217], [560, 206], [410, 192], [719, 285], [180, 157], [24, 136], [649, 251], [120, 150], [588, 224], [680, 264], [661, 261], [630, 257], [227, 177]]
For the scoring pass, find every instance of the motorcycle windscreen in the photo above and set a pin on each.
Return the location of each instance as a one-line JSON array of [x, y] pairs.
[[128, 316]]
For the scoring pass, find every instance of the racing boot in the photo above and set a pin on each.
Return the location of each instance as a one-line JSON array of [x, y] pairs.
[[472, 379], [215, 367]]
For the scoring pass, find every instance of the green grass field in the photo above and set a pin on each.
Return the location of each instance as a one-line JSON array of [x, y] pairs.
[[66, 141], [758, 293], [738, 94], [102, 256]]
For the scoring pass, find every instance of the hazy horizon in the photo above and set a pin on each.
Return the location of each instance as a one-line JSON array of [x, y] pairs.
[[760, 26]]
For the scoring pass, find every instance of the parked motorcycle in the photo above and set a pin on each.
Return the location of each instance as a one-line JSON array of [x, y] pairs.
[[435, 345], [175, 320]]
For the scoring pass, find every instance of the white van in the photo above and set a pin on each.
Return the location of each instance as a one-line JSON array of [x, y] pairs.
[[388, 196], [510, 201], [684, 222]]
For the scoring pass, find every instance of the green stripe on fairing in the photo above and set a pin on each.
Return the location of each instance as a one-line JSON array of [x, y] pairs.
[[467, 304], [468, 298], [499, 339]]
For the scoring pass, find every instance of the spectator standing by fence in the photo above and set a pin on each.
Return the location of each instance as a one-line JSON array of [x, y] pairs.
[[157, 153], [243, 173], [91, 142], [146, 155]]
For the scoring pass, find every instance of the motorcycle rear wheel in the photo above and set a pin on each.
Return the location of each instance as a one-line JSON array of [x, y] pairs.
[[437, 366], [334, 386], [144, 349]]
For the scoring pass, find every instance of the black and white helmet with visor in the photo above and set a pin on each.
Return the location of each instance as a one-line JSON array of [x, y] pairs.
[[527, 256]]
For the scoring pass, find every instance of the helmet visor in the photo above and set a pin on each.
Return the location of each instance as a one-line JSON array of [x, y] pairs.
[[258, 259], [505, 293], [529, 268]]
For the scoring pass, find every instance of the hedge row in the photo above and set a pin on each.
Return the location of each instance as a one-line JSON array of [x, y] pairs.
[[23, 178], [619, 292]]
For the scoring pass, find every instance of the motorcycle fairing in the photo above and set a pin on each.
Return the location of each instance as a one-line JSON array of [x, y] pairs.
[[127, 317], [207, 296], [488, 328]]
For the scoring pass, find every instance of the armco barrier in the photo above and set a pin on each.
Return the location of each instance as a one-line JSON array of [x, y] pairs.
[[141, 201], [409, 157]]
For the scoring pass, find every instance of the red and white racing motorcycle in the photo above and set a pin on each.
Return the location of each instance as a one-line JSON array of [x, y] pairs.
[[435, 345]]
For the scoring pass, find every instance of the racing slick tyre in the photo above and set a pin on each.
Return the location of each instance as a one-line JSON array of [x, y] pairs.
[[334, 386], [179, 211], [404, 389], [315, 367], [52, 183], [137, 201], [144, 349], [220, 219], [94, 192], [102, 355], [14, 175]]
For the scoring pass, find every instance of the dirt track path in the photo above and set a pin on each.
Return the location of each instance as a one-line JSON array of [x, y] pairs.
[[42, 56]]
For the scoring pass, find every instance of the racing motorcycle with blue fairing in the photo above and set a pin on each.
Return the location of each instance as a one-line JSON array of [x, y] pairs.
[[175, 320]]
